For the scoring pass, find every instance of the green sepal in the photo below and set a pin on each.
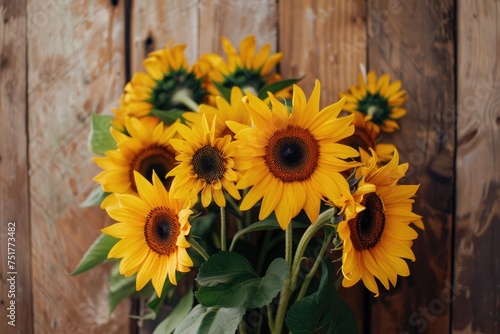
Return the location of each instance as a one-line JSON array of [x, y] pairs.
[[96, 254], [276, 87], [169, 116], [95, 197], [224, 91], [100, 139]]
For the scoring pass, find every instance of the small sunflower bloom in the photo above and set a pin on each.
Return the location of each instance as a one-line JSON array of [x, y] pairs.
[[152, 227], [377, 237], [207, 164], [294, 158], [379, 101]]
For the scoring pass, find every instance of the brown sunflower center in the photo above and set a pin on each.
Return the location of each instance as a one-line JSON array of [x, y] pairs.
[[161, 230], [156, 158], [292, 154], [368, 225], [208, 164]]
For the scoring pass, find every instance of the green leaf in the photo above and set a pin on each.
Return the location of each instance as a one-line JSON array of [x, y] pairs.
[[95, 197], [120, 287], [322, 310], [169, 116], [263, 225], [276, 87], [224, 91], [211, 320], [155, 301], [238, 284], [96, 254], [101, 139], [179, 312]]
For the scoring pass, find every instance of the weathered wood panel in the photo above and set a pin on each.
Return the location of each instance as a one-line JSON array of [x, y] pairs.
[[326, 40], [477, 234], [15, 276], [414, 42], [76, 66], [235, 20], [154, 23]]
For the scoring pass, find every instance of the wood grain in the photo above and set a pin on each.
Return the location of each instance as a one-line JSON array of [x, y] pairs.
[[14, 184], [326, 40], [235, 20], [477, 234], [76, 66], [154, 23], [414, 42]]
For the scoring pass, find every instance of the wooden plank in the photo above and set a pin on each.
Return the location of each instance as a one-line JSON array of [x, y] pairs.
[[15, 256], [156, 22], [326, 40], [235, 20], [477, 233], [76, 66], [414, 42]]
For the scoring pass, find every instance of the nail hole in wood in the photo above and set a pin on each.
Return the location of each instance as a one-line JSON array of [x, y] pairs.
[[149, 44], [114, 2]]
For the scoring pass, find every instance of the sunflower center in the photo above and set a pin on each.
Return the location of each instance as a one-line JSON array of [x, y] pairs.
[[155, 158], [208, 164], [368, 225], [292, 154], [161, 230], [245, 78], [163, 95], [376, 106]]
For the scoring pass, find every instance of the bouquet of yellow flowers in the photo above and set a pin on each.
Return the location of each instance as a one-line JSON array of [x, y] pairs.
[[220, 176]]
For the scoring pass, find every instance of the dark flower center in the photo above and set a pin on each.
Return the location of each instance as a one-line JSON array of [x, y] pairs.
[[292, 154], [172, 82], [161, 230], [156, 158], [375, 105], [368, 225], [208, 164]]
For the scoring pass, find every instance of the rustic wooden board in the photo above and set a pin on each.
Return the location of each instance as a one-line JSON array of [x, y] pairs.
[[477, 234], [326, 40], [235, 20], [414, 42], [154, 23], [76, 65], [14, 193]]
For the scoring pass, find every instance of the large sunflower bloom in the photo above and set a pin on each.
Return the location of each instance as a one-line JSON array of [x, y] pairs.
[[380, 101], [153, 228], [365, 137], [295, 159], [143, 151], [378, 238], [248, 69], [206, 164], [169, 85]]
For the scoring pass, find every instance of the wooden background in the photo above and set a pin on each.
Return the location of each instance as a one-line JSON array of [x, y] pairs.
[[62, 59]]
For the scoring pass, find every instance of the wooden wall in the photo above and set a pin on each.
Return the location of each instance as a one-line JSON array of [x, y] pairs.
[[62, 59]]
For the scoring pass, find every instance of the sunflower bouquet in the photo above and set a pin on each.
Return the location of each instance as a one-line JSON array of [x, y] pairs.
[[239, 204]]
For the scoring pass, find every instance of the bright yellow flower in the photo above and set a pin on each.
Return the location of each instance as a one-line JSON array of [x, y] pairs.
[[143, 151], [153, 228], [206, 164], [379, 100], [377, 236], [294, 159]]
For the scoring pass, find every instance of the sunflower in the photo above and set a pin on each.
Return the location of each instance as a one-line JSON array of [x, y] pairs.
[[365, 137], [294, 159], [222, 112], [169, 88], [377, 237], [206, 164], [144, 151], [153, 228], [248, 70], [380, 101]]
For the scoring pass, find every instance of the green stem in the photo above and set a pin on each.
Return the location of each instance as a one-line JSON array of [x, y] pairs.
[[247, 214], [199, 249], [338, 282], [310, 275], [223, 228], [270, 320], [286, 291], [183, 96], [289, 246]]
